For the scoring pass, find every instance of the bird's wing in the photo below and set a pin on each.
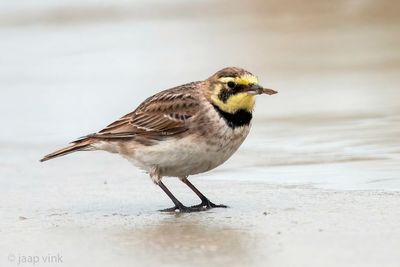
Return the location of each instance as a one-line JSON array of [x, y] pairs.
[[164, 114]]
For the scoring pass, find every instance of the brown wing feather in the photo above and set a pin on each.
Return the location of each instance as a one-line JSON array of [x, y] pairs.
[[163, 114]]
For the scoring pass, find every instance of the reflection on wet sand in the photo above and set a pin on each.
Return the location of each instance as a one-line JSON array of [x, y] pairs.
[[185, 239]]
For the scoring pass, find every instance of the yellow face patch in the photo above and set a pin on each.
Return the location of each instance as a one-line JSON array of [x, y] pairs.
[[235, 102]]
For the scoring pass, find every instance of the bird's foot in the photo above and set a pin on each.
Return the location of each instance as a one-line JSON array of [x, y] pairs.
[[183, 209], [207, 204]]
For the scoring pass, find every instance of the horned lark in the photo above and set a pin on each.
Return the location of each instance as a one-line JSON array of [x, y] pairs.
[[186, 130]]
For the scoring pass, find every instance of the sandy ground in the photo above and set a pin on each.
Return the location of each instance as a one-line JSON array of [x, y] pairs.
[[99, 224]]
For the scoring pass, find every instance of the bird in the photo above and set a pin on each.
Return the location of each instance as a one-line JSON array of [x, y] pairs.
[[182, 131]]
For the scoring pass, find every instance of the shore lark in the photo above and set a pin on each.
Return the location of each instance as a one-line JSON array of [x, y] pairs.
[[185, 130]]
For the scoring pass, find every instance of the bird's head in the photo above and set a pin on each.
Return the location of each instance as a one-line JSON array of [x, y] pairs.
[[233, 89]]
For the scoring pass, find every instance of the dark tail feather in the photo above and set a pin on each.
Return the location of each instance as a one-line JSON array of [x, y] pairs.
[[79, 145]]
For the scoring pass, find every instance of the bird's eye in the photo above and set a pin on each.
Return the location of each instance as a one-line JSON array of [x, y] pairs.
[[231, 84]]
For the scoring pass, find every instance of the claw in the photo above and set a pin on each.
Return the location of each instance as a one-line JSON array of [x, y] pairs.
[[173, 209], [207, 204], [184, 209]]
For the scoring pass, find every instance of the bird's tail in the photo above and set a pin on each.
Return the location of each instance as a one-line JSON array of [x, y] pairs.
[[79, 145]]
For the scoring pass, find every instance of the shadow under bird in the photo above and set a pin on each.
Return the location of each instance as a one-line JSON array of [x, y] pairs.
[[185, 130]]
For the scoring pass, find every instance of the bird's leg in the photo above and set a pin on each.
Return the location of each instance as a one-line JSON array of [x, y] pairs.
[[205, 202], [178, 205], [156, 177]]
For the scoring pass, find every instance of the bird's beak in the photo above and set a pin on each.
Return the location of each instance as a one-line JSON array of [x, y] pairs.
[[257, 89]]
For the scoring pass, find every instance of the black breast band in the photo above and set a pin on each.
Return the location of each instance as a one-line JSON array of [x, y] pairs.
[[237, 119]]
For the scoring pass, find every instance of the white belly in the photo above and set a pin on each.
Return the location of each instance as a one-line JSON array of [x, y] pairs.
[[186, 156]]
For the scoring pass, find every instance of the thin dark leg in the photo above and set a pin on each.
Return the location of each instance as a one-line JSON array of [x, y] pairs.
[[178, 205], [205, 202]]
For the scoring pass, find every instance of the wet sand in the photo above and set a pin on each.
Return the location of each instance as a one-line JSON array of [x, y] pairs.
[[315, 184], [265, 225]]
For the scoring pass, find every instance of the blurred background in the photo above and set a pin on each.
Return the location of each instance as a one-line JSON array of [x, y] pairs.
[[69, 68]]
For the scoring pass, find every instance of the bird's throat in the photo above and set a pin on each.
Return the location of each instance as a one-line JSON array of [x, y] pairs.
[[235, 102]]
